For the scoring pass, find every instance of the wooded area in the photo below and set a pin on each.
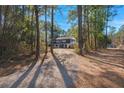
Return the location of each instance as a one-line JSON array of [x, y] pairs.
[[29, 32]]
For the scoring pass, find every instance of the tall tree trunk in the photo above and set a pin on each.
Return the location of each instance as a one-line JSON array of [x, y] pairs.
[[85, 28], [0, 21], [37, 34], [0, 28], [91, 34], [52, 19], [46, 27], [23, 9], [0, 18], [32, 37], [80, 37], [107, 11], [88, 27], [95, 35]]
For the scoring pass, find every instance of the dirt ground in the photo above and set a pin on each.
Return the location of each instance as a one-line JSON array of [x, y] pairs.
[[65, 68]]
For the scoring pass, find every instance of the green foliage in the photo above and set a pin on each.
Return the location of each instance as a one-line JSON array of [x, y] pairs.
[[18, 26], [118, 36], [17, 29], [76, 48], [73, 32], [95, 20]]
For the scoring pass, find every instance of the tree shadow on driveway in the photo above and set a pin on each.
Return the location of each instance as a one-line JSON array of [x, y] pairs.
[[67, 79], [25, 74], [37, 72]]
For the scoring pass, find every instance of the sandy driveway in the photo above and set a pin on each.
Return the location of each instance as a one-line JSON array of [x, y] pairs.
[[67, 69]]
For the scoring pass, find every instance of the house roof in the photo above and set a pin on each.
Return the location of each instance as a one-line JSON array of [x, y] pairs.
[[66, 38]]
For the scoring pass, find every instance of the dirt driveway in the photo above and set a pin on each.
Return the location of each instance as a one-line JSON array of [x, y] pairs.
[[67, 69]]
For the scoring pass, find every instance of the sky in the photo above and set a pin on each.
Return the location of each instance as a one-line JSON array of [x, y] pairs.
[[118, 20], [61, 16]]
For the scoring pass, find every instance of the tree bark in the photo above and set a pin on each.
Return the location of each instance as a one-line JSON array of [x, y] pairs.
[[52, 23], [80, 37], [46, 28], [88, 27], [32, 37], [0, 17], [37, 33], [95, 34], [107, 10], [0, 28]]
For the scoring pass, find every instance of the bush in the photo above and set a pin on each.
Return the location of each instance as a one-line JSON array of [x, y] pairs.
[[76, 48]]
